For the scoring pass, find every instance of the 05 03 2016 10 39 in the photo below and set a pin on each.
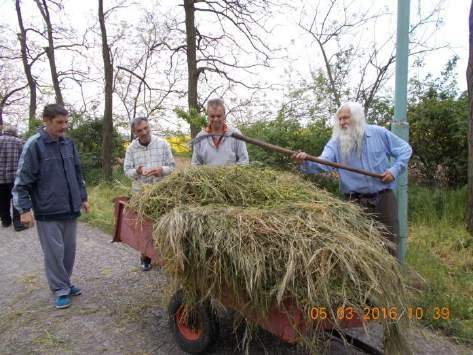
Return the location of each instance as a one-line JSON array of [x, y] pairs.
[[370, 313]]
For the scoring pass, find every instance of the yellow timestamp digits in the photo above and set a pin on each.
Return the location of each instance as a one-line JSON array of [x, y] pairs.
[[380, 313], [419, 313]]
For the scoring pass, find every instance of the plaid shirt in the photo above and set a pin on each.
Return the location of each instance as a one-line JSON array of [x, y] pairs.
[[10, 151], [156, 154]]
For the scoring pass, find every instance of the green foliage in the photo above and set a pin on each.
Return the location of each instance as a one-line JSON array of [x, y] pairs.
[[88, 138], [35, 125], [381, 111], [288, 133], [438, 119], [193, 117]]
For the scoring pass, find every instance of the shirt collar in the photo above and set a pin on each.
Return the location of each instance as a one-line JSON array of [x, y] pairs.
[[209, 130], [138, 144], [47, 138]]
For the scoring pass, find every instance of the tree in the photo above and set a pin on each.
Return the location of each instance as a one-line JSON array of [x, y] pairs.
[[27, 64], [438, 128], [202, 49], [5, 99], [50, 50], [354, 70], [469, 78], [87, 137], [108, 109], [147, 77]]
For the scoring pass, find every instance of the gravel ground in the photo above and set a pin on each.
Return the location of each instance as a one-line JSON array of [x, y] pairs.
[[122, 310]]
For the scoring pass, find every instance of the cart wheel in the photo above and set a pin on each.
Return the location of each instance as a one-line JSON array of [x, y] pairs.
[[194, 329]]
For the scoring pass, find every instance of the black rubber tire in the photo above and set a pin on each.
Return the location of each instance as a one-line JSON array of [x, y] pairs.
[[203, 316]]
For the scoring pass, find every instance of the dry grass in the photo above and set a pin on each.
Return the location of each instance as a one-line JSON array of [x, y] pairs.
[[265, 236]]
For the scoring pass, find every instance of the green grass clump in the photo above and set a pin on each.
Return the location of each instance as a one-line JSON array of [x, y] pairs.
[[441, 251], [101, 205]]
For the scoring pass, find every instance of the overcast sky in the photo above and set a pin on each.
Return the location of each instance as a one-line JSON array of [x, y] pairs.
[[299, 48]]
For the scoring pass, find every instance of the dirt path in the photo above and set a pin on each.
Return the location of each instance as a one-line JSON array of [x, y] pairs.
[[121, 310]]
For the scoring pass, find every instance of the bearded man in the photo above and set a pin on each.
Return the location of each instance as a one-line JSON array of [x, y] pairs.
[[367, 147]]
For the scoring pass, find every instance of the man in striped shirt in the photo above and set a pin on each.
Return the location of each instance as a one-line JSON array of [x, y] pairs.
[[10, 151], [148, 159]]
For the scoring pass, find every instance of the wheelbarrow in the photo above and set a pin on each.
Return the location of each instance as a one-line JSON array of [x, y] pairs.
[[196, 328]]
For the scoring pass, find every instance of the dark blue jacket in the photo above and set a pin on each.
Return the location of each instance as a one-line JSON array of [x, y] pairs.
[[49, 178]]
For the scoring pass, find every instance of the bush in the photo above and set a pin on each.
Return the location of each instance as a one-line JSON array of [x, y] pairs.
[[88, 138], [287, 133], [438, 134]]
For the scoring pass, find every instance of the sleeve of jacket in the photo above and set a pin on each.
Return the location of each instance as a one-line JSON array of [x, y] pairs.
[[400, 150], [241, 153], [26, 177], [129, 165], [169, 163], [329, 153], [79, 175]]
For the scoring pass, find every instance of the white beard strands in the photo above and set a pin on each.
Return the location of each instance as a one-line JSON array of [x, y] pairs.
[[350, 139]]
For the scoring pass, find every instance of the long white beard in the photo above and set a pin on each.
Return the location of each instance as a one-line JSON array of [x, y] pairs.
[[350, 140]]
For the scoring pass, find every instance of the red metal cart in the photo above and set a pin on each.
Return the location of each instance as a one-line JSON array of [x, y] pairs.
[[195, 333]]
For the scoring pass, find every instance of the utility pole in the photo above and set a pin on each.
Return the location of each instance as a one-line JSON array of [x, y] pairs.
[[400, 126]]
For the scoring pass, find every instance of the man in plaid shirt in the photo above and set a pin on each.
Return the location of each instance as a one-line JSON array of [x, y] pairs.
[[148, 159], [10, 151]]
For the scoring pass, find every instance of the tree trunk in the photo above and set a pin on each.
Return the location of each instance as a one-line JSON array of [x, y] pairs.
[[107, 116], [43, 8], [469, 79], [26, 65], [193, 75]]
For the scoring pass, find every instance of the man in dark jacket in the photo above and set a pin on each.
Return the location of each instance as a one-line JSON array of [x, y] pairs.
[[10, 151], [49, 181]]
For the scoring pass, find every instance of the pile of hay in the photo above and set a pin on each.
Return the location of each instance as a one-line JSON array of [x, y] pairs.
[[265, 236]]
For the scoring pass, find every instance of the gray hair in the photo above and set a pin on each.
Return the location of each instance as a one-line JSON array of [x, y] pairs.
[[10, 130], [357, 112], [137, 120], [216, 103]]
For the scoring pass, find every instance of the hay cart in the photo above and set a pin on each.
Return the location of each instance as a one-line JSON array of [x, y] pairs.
[[196, 333]]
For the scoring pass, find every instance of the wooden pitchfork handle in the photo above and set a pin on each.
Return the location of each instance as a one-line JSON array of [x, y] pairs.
[[278, 149], [286, 151]]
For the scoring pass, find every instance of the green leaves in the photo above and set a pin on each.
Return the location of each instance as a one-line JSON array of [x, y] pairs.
[[193, 117]]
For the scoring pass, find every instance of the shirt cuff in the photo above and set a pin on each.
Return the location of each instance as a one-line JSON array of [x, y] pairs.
[[394, 172], [166, 170]]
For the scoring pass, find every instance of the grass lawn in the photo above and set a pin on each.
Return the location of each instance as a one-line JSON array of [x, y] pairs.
[[441, 250]]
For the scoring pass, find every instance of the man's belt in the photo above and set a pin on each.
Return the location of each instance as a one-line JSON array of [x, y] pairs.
[[357, 195]]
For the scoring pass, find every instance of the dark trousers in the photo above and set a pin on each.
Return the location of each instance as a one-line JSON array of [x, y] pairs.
[[383, 206], [6, 205]]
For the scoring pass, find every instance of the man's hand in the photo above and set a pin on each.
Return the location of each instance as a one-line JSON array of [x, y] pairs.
[[85, 206], [27, 219], [153, 172], [139, 170], [387, 177], [299, 157]]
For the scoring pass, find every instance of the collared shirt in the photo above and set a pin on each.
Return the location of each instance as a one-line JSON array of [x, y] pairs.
[[217, 140], [379, 147], [229, 151], [156, 154], [10, 151]]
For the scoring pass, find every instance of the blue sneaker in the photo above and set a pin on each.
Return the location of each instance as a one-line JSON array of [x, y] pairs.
[[63, 301], [75, 291]]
